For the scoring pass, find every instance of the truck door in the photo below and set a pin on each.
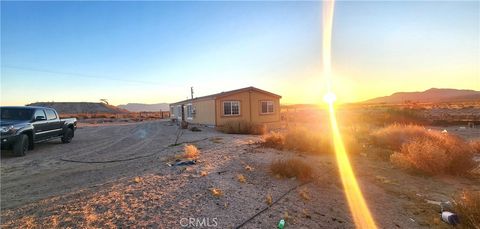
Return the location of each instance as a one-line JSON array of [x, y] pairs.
[[40, 124], [54, 123]]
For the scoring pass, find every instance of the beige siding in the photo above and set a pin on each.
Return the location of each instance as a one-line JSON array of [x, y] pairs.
[[257, 116], [250, 108], [244, 99], [204, 112]]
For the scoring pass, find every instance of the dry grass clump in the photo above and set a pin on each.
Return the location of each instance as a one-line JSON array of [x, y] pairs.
[[274, 140], [304, 194], [467, 206], [292, 168], [190, 151], [436, 154], [216, 192], [394, 136], [242, 127], [475, 144], [241, 178], [269, 199], [138, 180], [249, 168], [306, 141]]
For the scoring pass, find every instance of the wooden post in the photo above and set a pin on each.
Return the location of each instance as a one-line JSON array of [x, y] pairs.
[[184, 123]]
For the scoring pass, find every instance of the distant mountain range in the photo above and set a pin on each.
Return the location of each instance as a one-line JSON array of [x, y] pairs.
[[433, 95], [138, 107], [81, 107]]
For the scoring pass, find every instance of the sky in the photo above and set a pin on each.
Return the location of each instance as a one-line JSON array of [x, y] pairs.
[[152, 52]]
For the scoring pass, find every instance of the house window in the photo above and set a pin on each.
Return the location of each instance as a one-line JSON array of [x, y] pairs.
[[190, 111], [267, 107], [171, 112], [231, 108]]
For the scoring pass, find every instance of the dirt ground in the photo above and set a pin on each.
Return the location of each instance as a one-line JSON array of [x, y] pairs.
[[117, 176]]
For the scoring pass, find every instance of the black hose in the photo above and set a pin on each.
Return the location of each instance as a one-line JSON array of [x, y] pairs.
[[266, 208]]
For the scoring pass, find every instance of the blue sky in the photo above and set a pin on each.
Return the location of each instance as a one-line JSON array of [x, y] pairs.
[[154, 51]]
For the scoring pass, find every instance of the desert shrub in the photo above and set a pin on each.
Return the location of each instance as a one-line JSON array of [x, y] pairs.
[[242, 127], [436, 154], [307, 141], [83, 116], [100, 116], [274, 140], [190, 151], [475, 144], [467, 206], [302, 140], [292, 168], [394, 136]]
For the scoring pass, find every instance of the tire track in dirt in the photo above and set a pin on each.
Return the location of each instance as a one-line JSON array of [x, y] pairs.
[[41, 174]]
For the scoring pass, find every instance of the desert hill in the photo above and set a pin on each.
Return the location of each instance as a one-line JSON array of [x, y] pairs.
[[81, 107], [138, 107], [433, 95]]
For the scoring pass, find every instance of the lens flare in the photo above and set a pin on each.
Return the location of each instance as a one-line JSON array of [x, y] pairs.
[[358, 207], [329, 98]]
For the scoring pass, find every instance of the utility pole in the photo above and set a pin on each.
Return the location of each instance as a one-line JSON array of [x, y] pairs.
[[191, 92]]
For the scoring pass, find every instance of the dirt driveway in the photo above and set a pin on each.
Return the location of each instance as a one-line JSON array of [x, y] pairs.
[[42, 190], [42, 173]]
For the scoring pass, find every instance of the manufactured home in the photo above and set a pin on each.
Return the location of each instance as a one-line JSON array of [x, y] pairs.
[[247, 104]]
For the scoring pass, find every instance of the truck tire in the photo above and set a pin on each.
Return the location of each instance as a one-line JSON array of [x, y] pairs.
[[67, 136], [21, 146]]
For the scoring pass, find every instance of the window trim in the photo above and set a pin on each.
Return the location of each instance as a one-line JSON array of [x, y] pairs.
[[42, 110], [53, 111], [267, 101], [231, 110]]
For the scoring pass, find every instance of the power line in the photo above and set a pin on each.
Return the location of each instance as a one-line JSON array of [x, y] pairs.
[[78, 75]]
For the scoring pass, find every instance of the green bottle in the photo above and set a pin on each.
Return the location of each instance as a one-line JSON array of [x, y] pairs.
[[281, 224]]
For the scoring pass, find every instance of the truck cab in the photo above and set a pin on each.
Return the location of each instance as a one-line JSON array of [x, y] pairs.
[[22, 127]]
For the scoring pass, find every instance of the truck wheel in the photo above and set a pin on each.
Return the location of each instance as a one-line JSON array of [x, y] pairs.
[[67, 136], [21, 146]]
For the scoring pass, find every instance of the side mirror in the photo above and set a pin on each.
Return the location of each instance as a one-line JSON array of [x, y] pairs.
[[40, 118]]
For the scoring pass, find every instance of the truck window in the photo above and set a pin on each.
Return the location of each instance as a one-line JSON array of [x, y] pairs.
[[39, 112], [50, 114], [16, 114]]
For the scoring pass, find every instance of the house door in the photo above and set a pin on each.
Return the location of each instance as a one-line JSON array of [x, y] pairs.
[[179, 112]]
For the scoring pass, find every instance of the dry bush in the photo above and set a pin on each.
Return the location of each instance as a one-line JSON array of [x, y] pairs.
[[292, 168], [241, 178], [307, 141], [394, 136], [274, 140], [303, 140], [190, 151], [467, 206], [242, 127], [304, 194], [436, 154], [269, 199], [475, 144], [216, 192]]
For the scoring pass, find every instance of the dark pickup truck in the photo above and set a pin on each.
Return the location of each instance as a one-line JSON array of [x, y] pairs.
[[22, 127]]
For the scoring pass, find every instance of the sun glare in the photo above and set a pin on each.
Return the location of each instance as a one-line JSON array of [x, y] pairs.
[[358, 206], [330, 98]]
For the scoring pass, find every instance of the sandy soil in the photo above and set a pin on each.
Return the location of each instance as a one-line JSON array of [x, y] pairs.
[[41, 190]]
